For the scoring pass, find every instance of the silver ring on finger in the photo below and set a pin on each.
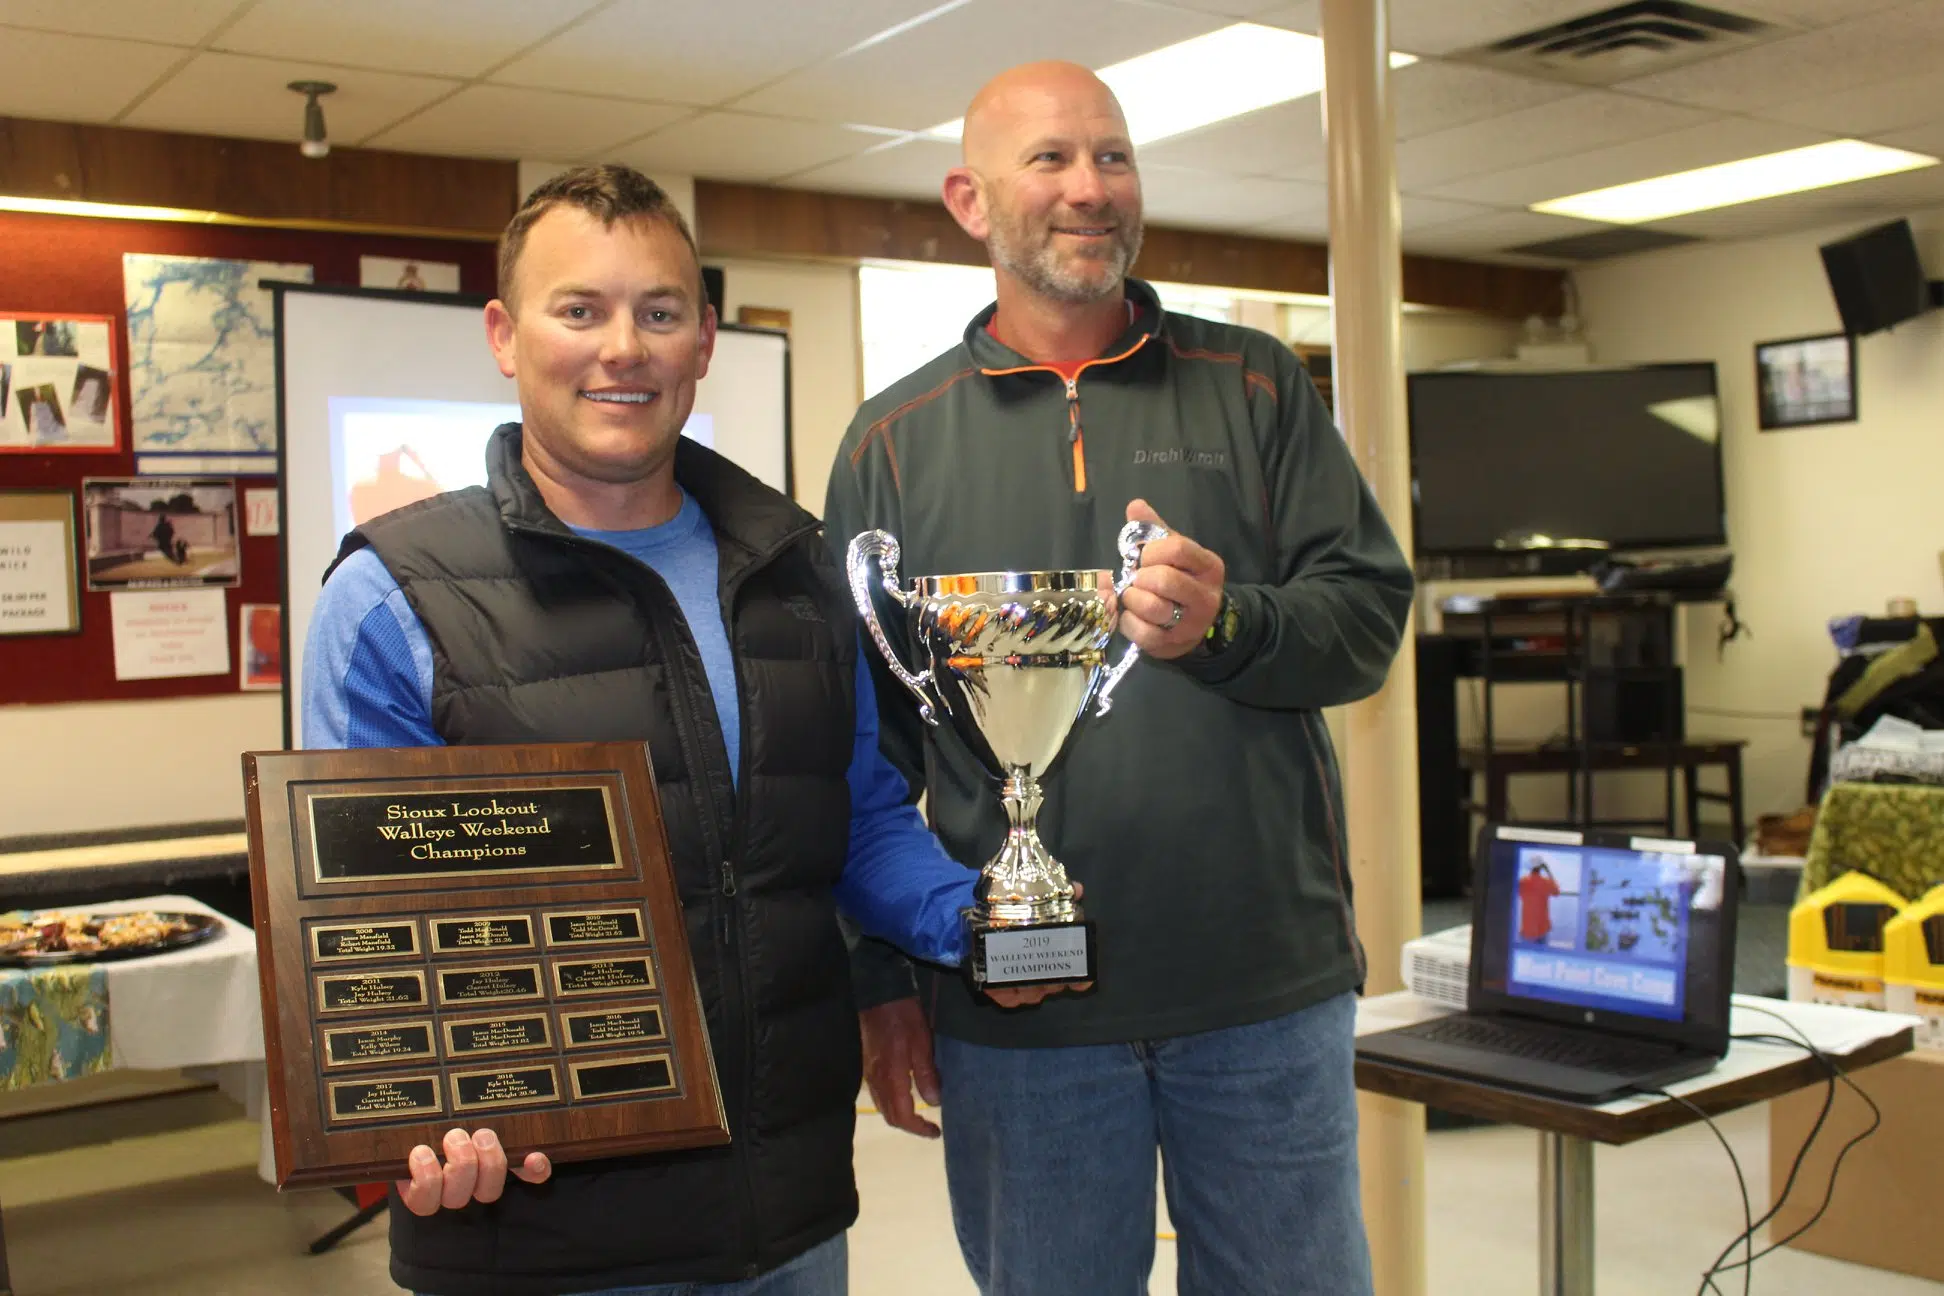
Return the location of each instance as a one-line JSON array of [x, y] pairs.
[[1175, 620]]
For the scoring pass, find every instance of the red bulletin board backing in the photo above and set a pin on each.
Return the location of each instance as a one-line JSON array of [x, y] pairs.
[[68, 265]]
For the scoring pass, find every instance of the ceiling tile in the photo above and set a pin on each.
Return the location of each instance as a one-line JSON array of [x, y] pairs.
[[740, 146], [438, 40], [1311, 226], [1237, 9], [501, 122], [178, 22], [237, 95], [1270, 142], [703, 53], [1810, 13], [1587, 120], [1205, 200], [1725, 140], [1482, 234], [46, 78], [927, 75], [1888, 45], [1418, 212], [1431, 96], [912, 169], [1867, 109]]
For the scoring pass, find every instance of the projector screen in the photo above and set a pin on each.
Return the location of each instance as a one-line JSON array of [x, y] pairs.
[[389, 397]]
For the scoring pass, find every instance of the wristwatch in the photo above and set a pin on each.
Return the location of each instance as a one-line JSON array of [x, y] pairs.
[[1223, 629]]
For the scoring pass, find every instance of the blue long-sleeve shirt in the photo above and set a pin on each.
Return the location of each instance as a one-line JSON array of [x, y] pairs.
[[368, 683]]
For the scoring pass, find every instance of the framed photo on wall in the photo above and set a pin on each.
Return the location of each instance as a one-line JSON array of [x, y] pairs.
[[57, 384], [156, 532], [39, 563], [1800, 382]]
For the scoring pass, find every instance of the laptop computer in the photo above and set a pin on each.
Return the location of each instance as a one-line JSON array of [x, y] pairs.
[[1600, 963]]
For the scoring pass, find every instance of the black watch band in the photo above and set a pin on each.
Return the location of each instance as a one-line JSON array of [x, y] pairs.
[[1221, 631]]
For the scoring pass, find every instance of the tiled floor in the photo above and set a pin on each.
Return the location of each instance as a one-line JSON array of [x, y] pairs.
[[181, 1213]]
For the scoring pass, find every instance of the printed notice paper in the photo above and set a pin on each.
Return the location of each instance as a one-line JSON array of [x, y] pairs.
[[36, 577], [161, 634]]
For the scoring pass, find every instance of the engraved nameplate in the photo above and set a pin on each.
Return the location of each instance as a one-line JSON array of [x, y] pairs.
[[521, 1086], [594, 927], [370, 991], [344, 942], [478, 1035], [366, 836], [488, 934], [623, 1077], [373, 1045], [393, 1098], [1028, 955], [611, 1026], [603, 976], [505, 983]]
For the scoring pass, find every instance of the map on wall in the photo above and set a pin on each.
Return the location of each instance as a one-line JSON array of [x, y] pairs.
[[202, 371]]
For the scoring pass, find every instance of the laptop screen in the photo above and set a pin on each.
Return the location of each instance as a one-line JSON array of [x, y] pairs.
[[1607, 925]]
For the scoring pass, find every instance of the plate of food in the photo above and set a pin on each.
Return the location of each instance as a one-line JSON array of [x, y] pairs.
[[51, 936]]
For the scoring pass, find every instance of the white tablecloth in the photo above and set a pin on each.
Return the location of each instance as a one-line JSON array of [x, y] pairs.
[[193, 1007]]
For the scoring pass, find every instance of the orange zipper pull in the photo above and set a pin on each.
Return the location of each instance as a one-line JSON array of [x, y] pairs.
[[1076, 436]]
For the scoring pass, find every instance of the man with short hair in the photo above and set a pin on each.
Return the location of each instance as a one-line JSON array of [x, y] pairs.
[[615, 581], [1204, 815]]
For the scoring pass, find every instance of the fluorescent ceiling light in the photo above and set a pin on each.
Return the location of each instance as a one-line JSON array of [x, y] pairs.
[[1791, 171], [1208, 79]]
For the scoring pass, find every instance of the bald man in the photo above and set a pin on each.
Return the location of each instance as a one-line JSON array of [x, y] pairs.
[[1205, 815]]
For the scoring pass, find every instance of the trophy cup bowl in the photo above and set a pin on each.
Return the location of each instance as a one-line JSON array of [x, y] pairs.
[[1013, 660]]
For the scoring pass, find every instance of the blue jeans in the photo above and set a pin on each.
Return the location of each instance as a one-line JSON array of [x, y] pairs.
[[1049, 1153], [823, 1270]]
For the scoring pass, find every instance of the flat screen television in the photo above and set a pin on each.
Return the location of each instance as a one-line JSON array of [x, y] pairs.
[[1624, 458], [1876, 278]]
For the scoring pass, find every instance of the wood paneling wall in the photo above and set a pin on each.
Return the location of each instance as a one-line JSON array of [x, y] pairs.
[[271, 183], [755, 220], [257, 180]]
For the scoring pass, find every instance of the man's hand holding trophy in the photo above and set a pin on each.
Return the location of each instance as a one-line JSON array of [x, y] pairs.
[[1014, 660]]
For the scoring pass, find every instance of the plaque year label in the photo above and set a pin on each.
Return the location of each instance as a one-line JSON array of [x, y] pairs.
[[623, 1077], [611, 1026], [348, 942], [594, 927], [504, 983], [517, 1086], [369, 991], [482, 1035], [375, 1045], [393, 1098], [603, 976], [488, 934]]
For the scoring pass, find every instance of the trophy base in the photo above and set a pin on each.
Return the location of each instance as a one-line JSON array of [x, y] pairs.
[[1024, 954]]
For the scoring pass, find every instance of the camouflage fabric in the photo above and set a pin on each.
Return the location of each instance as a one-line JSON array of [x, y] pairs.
[[1893, 832], [53, 1024]]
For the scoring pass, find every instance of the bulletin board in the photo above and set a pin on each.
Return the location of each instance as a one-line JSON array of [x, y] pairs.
[[71, 267]]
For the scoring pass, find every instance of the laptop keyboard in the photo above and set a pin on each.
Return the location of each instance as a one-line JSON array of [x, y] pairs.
[[1558, 1046]]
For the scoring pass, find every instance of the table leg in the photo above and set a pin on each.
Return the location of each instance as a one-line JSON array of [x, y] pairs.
[[1565, 1215]]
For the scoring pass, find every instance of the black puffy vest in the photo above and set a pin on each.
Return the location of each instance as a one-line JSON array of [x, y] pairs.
[[540, 636]]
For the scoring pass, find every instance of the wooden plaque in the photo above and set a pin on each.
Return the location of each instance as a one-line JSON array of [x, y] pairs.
[[471, 936]]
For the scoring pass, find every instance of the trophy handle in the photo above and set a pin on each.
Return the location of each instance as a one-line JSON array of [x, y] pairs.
[[1134, 537], [883, 546]]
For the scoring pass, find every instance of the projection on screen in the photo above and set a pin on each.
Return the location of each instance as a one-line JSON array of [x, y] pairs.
[[386, 454]]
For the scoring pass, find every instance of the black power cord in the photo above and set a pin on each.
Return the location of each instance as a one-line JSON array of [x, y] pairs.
[[1746, 1238], [1741, 1181]]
